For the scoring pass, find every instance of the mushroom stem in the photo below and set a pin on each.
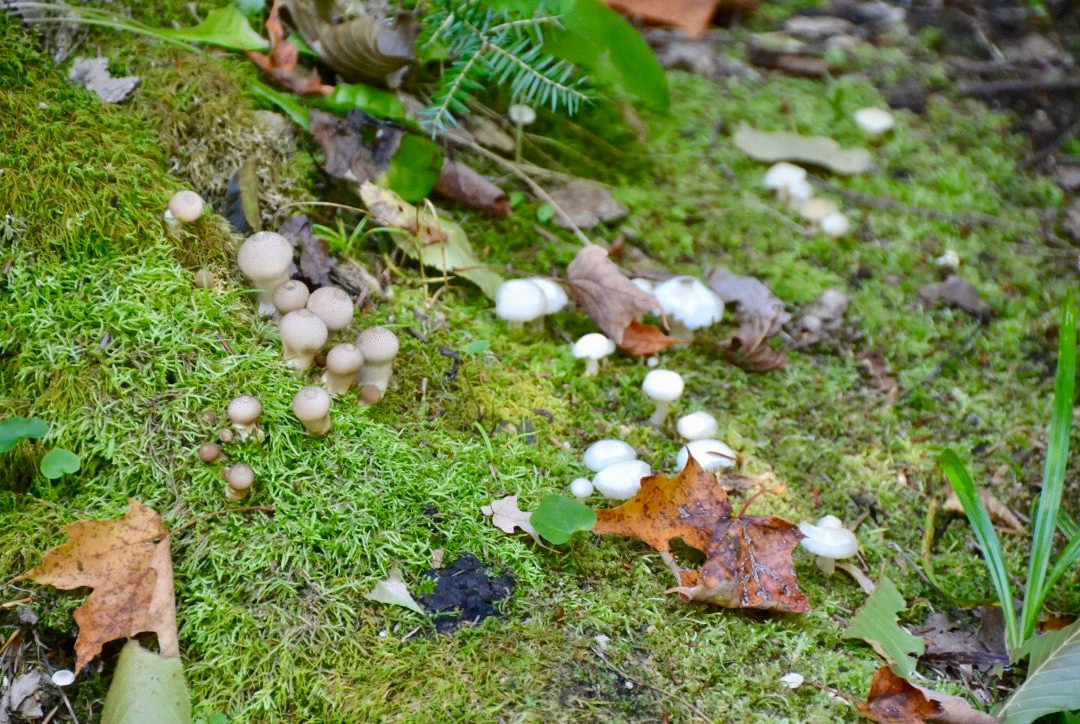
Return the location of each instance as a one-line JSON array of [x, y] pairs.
[[317, 428], [376, 374], [300, 360], [266, 294], [660, 414], [592, 367], [514, 326], [244, 431], [519, 136], [826, 565], [535, 326], [338, 384]]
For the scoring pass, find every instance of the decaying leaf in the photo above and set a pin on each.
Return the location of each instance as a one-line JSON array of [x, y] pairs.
[[748, 558], [813, 150], [750, 297], [821, 319], [394, 592], [956, 292], [316, 263], [127, 562], [690, 16], [94, 74], [595, 283], [507, 517], [642, 340], [998, 511], [746, 348], [586, 204], [894, 700], [458, 182], [875, 623], [880, 379], [281, 65], [357, 148]]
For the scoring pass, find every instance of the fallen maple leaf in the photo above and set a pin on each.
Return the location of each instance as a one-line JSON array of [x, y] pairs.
[[282, 63], [608, 297], [129, 565], [746, 348], [748, 558], [507, 517], [642, 340], [690, 16], [895, 700]]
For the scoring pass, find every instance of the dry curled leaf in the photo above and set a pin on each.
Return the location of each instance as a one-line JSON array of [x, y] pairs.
[[316, 263], [894, 700], [585, 205], [458, 182], [609, 298], [821, 319], [750, 297], [746, 348], [357, 148], [507, 517], [128, 564], [94, 74], [998, 511], [748, 558], [642, 340], [281, 65]]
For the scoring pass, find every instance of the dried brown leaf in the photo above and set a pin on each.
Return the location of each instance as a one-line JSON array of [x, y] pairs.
[[316, 263], [608, 297], [357, 148], [690, 16], [746, 348], [998, 511], [894, 700], [642, 340], [586, 205], [880, 379], [821, 319], [461, 183], [281, 65], [750, 297], [507, 517], [958, 293]]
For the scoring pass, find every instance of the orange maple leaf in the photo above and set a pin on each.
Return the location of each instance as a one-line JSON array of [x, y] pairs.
[[642, 340]]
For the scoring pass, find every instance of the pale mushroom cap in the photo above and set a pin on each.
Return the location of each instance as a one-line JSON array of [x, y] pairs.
[[333, 305], [697, 426], [621, 481], [663, 385], [643, 284], [344, 359], [186, 206], [377, 344], [240, 476], [520, 300], [581, 488], [290, 296], [689, 302], [782, 175], [311, 403], [828, 541], [603, 453], [798, 192], [710, 454], [817, 209], [593, 346], [874, 121], [554, 296], [244, 410], [521, 113], [835, 224], [265, 255], [303, 330]]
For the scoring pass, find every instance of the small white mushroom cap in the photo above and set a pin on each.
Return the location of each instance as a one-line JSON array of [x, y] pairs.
[[621, 481], [303, 334], [663, 385], [238, 481], [554, 295], [290, 296], [817, 209], [265, 258], [949, 261], [782, 175], [520, 300], [333, 305], [343, 362], [710, 454], [697, 426], [797, 193], [63, 677], [829, 540], [311, 405], [874, 121], [835, 225], [688, 303], [185, 206], [521, 113], [379, 346], [792, 680], [244, 411], [592, 348], [603, 453], [581, 488]]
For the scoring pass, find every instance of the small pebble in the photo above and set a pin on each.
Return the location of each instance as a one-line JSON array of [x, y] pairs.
[[63, 677]]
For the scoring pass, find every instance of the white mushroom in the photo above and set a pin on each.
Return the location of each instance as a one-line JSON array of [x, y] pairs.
[[830, 541], [697, 426], [712, 455], [518, 301], [592, 348], [789, 182], [291, 296], [238, 481], [266, 259], [816, 209], [554, 295], [621, 481], [948, 262], [643, 284], [244, 412], [184, 207], [603, 453], [689, 305], [302, 336], [343, 362], [379, 346], [581, 488], [663, 387], [333, 306], [835, 225], [311, 405], [874, 121]]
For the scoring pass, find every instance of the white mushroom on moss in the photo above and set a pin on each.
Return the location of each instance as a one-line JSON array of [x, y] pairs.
[[874, 121], [689, 305], [343, 363], [712, 455], [379, 346], [581, 488], [311, 405], [303, 334], [816, 209], [592, 348], [603, 453], [518, 301], [555, 298], [333, 306], [697, 426], [238, 481], [266, 259], [622, 480], [291, 296], [521, 115], [244, 412], [830, 541], [184, 207], [835, 225], [662, 387], [789, 182]]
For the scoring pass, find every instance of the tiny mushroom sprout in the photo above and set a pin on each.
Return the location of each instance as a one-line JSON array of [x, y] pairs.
[[663, 387], [266, 259], [204, 279], [210, 453], [830, 541], [522, 115], [303, 334], [379, 346], [592, 348], [835, 225], [184, 207], [689, 305], [333, 306], [554, 296], [518, 301], [311, 405], [789, 182], [712, 455], [874, 121], [238, 481], [697, 426], [343, 362], [603, 453], [581, 488], [621, 481], [244, 412], [291, 296]]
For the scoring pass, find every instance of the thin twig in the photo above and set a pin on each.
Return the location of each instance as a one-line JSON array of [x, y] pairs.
[[876, 202], [246, 509], [641, 682], [1041, 155]]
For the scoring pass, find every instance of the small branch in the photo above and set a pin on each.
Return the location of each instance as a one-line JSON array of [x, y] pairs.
[[641, 682], [247, 509], [1043, 153], [1019, 87]]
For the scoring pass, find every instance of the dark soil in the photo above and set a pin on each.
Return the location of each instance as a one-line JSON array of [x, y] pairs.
[[465, 592]]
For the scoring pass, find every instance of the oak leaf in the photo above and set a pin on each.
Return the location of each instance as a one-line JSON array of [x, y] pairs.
[[642, 340], [507, 517], [608, 297], [129, 565], [748, 558]]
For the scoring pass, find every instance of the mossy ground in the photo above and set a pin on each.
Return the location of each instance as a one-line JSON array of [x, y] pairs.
[[102, 334]]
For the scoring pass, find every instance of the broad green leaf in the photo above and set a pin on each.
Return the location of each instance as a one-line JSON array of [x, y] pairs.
[[59, 462], [559, 517], [816, 150], [358, 96], [1053, 680], [16, 429], [414, 169], [225, 27], [146, 687], [393, 591], [287, 103], [875, 623]]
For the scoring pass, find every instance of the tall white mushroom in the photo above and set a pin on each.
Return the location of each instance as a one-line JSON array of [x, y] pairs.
[[343, 362], [522, 115], [518, 301], [333, 305], [689, 305], [662, 387], [311, 405], [789, 182], [266, 259], [697, 426], [379, 346], [830, 541], [592, 348], [302, 336]]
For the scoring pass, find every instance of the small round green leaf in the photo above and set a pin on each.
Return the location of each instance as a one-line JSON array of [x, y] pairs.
[[59, 462], [559, 517], [16, 429]]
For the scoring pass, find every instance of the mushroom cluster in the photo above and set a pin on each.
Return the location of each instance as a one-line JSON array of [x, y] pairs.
[[527, 301], [689, 305], [794, 190]]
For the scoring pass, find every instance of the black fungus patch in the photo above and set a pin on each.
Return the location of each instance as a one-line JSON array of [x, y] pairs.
[[465, 592]]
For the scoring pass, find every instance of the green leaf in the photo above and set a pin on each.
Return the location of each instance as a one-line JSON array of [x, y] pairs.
[[146, 687], [225, 27], [394, 592], [961, 482], [59, 462], [358, 96], [1053, 680], [559, 517], [477, 346], [414, 169], [288, 104], [16, 429], [875, 623]]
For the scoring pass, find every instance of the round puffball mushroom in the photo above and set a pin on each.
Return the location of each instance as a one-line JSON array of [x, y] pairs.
[[303, 334], [603, 453], [874, 121], [712, 455], [830, 541], [311, 405], [291, 296], [697, 426], [835, 225], [343, 362], [184, 207], [621, 481], [554, 295], [265, 258], [518, 301], [333, 305], [662, 387], [592, 348], [379, 346], [238, 481], [244, 412], [210, 453], [689, 305], [581, 488]]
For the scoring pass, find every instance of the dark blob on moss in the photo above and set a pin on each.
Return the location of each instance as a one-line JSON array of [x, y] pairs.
[[465, 592]]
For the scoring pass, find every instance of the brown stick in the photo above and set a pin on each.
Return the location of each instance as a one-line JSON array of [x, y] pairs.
[[247, 509]]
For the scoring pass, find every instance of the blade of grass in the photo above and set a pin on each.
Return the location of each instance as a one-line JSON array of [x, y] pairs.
[[1068, 525], [1063, 563], [961, 482], [1057, 454]]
